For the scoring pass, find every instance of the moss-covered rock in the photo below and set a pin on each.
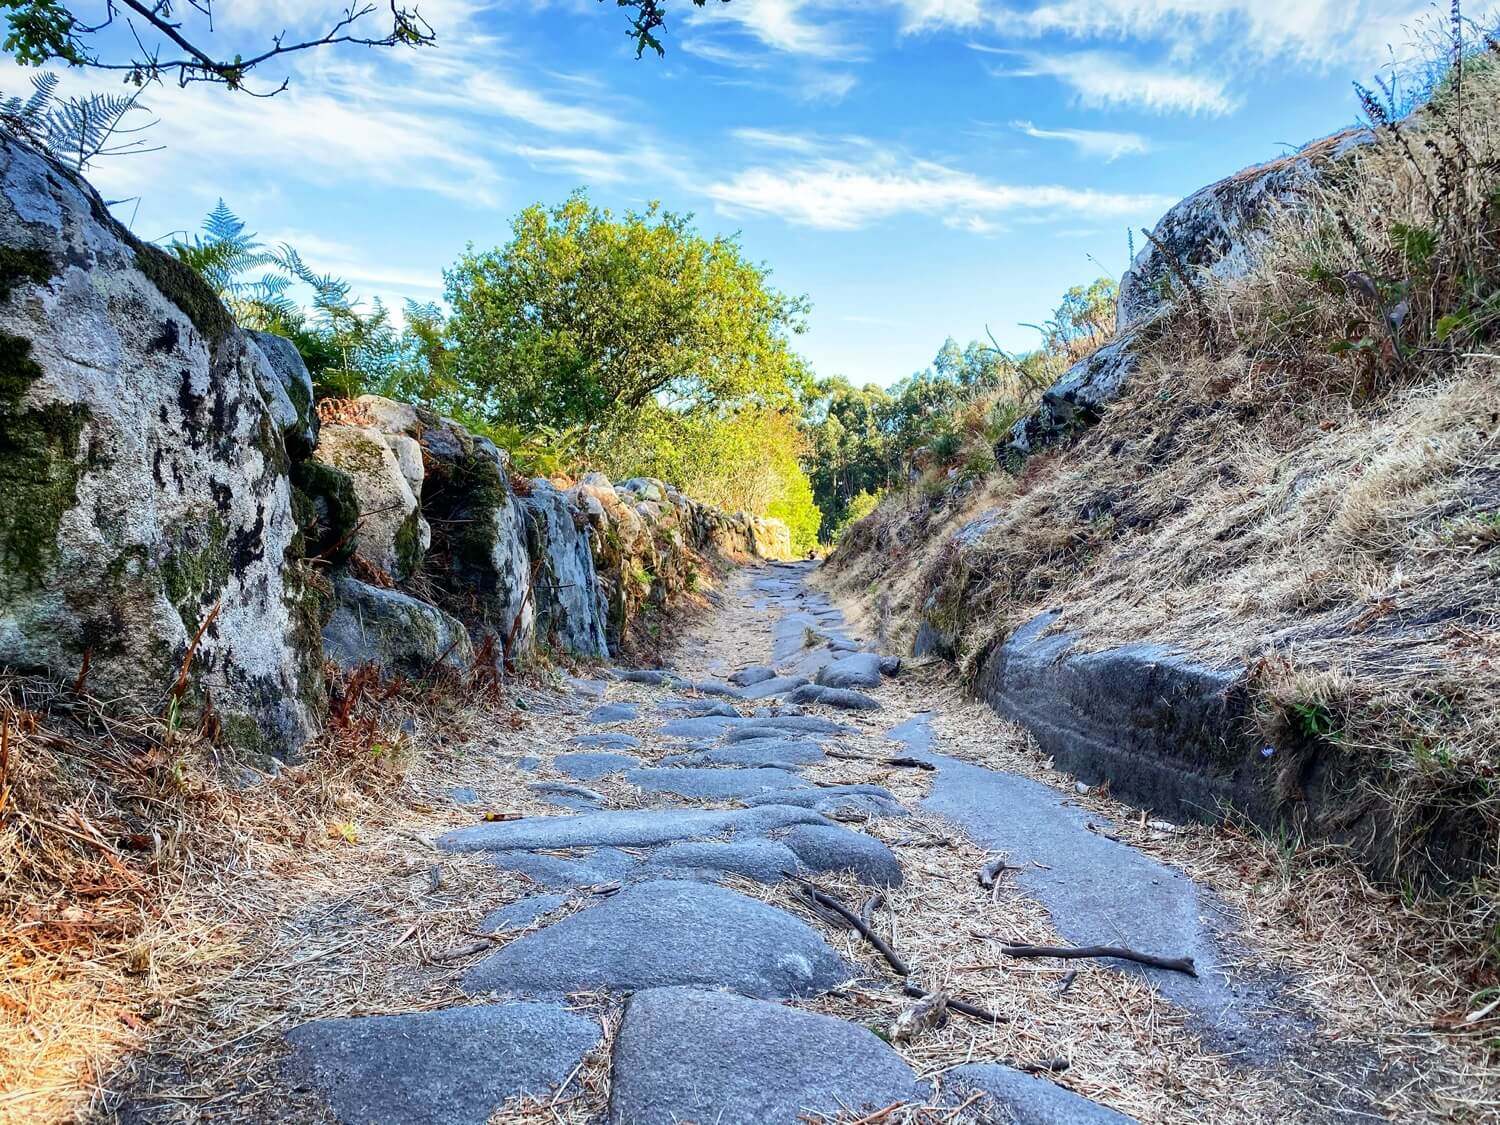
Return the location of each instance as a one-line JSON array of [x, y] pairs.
[[329, 510], [391, 532], [396, 632], [145, 480]]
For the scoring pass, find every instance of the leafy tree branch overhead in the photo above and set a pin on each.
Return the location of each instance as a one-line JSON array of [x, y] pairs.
[[152, 40], [166, 38], [650, 16]]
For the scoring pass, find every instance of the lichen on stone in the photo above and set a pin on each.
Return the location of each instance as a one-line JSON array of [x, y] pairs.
[[18, 264], [180, 283], [39, 469]]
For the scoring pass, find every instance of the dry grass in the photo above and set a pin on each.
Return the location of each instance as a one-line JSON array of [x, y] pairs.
[[163, 920], [1312, 492]]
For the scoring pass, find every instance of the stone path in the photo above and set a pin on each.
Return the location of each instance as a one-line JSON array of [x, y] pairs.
[[662, 943]]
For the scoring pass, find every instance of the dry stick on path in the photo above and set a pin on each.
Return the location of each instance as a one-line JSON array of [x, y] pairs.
[[901, 761], [991, 870], [823, 899], [1175, 964], [962, 1007], [829, 902]]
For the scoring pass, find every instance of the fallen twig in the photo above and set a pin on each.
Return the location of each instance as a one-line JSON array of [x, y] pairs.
[[962, 1007], [1175, 964], [459, 952], [872, 904], [879, 1114], [824, 899], [900, 760], [990, 870]]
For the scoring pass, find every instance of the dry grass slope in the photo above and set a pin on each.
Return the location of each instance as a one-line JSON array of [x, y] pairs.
[[1307, 485]]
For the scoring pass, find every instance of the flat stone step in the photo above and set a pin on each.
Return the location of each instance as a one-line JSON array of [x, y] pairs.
[[623, 828], [687, 1054], [588, 765], [773, 752], [1013, 1095], [667, 933], [715, 784], [450, 1067]]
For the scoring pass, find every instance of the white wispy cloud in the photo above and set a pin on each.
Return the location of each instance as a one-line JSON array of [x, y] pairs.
[[1104, 80], [1094, 143], [795, 27], [1315, 32], [843, 194]]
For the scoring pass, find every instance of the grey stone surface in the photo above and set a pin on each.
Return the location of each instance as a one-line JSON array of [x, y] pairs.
[[777, 685], [710, 707], [776, 726], [761, 860], [290, 395], [568, 796], [145, 474], [1078, 399], [915, 733], [391, 532], [519, 915], [624, 828], [463, 795], [587, 765], [777, 753], [842, 698], [592, 689], [570, 612], [399, 633], [664, 933], [591, 867], [686, 1054], [715, 687], [755, 674], [608, 741], [828, 847], [858, 670], [872, 800], [1015, 1096], [652, 677], [450, 1067], [702, 726], [1100, 891], [615, 713], [714, 784], [1169, 734]]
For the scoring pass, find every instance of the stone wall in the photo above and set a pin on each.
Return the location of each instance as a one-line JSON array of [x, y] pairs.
[[171, 500]]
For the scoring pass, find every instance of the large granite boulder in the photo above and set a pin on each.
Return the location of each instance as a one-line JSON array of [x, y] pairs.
[[400, 634], [479, 547], [145, 474], [570, 612], [290, 394], [1218, 229], [1214, 233], [391, 533]]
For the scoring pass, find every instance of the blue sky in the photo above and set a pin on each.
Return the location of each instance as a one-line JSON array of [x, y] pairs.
[[918, 168]]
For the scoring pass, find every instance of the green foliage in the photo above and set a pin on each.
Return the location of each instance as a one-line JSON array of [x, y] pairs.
[[859, 506], [584, 319], [649, 17], [75, 131], [168, 39], [350, 348]]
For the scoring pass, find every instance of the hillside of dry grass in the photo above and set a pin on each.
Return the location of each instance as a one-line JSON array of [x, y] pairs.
[[1302, 479]]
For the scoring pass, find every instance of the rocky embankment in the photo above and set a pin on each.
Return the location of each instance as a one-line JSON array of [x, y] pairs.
[[1216, 577], [180, 528]]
